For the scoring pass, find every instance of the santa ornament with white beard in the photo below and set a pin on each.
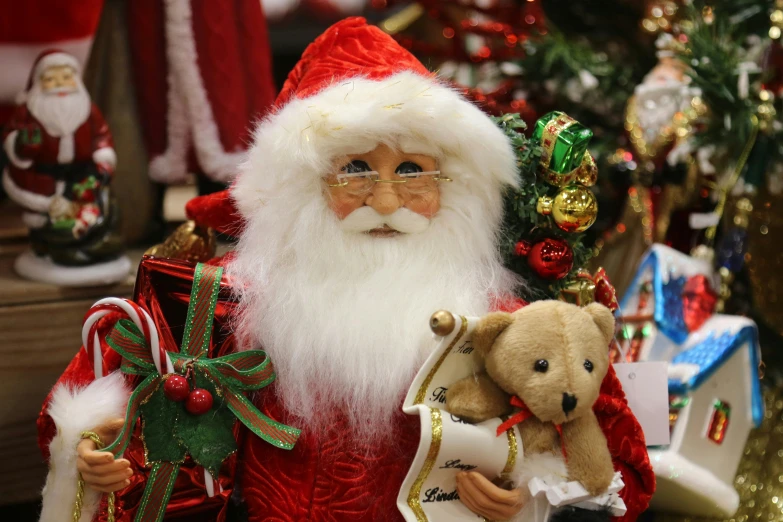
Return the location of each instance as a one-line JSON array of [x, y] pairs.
[[659, 119], [60, 160], [372, 196]]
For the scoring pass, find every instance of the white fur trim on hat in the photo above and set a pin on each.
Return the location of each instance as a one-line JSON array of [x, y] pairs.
[[55, 60], [73, 411], [25, 198], [105, 156], [298, 143]]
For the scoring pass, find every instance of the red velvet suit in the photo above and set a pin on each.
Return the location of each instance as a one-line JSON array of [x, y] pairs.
[[326, 477], [91, 136]]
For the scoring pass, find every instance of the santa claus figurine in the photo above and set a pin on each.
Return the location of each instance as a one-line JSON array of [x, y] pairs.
[[60, 159], [372, 196]]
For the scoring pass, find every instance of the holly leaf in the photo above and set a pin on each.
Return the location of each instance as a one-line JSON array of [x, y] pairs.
[[159, 416], [209, 438]]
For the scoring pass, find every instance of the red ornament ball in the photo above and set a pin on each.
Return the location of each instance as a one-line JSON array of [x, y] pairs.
[[522, 248], [551, 258], [176, 388], [199, 402]]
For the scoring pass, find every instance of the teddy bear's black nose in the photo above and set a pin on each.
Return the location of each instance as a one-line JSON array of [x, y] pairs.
[[569, 402]]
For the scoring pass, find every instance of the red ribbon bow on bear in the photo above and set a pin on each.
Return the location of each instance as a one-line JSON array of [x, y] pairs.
[[522, 415]]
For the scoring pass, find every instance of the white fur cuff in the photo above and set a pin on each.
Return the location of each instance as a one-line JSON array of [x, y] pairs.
[[537, 465], [105, 156], [73, 411]]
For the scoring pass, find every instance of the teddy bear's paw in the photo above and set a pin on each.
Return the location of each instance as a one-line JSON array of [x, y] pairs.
[[598, 482], [476, 399]]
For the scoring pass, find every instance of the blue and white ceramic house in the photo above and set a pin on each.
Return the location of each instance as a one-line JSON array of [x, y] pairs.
[[714, 390]]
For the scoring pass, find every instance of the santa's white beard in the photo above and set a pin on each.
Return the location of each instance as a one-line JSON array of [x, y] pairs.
[[657, 101], [344, 315], [60, 111]]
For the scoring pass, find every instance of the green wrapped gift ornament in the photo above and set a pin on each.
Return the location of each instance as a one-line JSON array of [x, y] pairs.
[[564, 144]]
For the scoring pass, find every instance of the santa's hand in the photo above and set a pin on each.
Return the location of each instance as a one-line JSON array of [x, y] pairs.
[[486, 499], [99, 469]]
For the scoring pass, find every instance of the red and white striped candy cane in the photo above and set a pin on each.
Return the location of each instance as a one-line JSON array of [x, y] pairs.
[[146, 325], [136, 314]]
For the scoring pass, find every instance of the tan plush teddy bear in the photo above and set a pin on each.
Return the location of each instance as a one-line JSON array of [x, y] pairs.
[[553, 356]]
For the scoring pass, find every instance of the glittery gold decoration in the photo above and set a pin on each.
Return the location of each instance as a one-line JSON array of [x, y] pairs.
[[574, 209], [587, 173], [511, 461], [429, 462], [759, 479], [188, 242], [79, 502], [581, 292], [765, 258]]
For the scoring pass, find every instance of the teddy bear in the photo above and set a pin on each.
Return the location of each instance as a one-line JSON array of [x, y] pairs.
[[548, 359]]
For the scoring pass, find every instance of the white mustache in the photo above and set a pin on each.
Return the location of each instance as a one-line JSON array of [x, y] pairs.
[[364, 219], [61, 90]]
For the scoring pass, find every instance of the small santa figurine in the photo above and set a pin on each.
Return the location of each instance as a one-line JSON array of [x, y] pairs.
[[60, 159], [372, 196]]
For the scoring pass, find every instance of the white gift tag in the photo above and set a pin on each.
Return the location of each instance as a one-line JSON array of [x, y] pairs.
[[646, 387]]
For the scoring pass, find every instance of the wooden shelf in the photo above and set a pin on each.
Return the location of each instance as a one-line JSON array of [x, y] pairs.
[[41, 329]]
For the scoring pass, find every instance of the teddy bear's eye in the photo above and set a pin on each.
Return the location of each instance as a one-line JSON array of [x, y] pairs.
[[588, 366], [542, 365]]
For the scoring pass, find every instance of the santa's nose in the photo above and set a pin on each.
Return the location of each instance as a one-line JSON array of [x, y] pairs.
[[384, 199], [569, 403]]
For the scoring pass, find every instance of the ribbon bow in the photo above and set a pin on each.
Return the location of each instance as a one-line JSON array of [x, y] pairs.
[[170, 434], [519, 417]]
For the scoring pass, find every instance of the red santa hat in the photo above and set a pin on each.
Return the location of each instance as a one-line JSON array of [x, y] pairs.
[[48, 58], [353, 88]]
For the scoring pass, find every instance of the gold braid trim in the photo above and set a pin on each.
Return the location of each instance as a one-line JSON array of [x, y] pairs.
[[77, 505]]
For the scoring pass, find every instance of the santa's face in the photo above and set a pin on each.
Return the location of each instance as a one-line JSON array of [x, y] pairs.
[[384, 192], [338, 275], [59, 100], [663, 93], [59, 79]]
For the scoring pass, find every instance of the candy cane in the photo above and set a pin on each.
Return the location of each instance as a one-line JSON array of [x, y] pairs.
[[140, 318], [144, 322]]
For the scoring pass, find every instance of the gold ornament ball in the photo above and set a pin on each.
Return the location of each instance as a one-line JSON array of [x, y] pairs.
[[442, 323], [574, 209]]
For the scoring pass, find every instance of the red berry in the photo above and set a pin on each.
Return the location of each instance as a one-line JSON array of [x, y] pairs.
[[199, 402], [176, 388]]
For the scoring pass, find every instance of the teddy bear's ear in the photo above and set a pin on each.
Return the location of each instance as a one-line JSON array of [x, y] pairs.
[[488, 329], [602, 317]]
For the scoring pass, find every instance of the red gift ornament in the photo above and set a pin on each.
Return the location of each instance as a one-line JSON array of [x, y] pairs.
[[698, 301], [551, 258], [604, 290]]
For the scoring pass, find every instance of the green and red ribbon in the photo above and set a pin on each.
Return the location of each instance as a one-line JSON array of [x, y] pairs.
[[232, 375]]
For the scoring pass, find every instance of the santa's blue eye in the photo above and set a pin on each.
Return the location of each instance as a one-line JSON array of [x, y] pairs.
[[356, 166], [408, 167]]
